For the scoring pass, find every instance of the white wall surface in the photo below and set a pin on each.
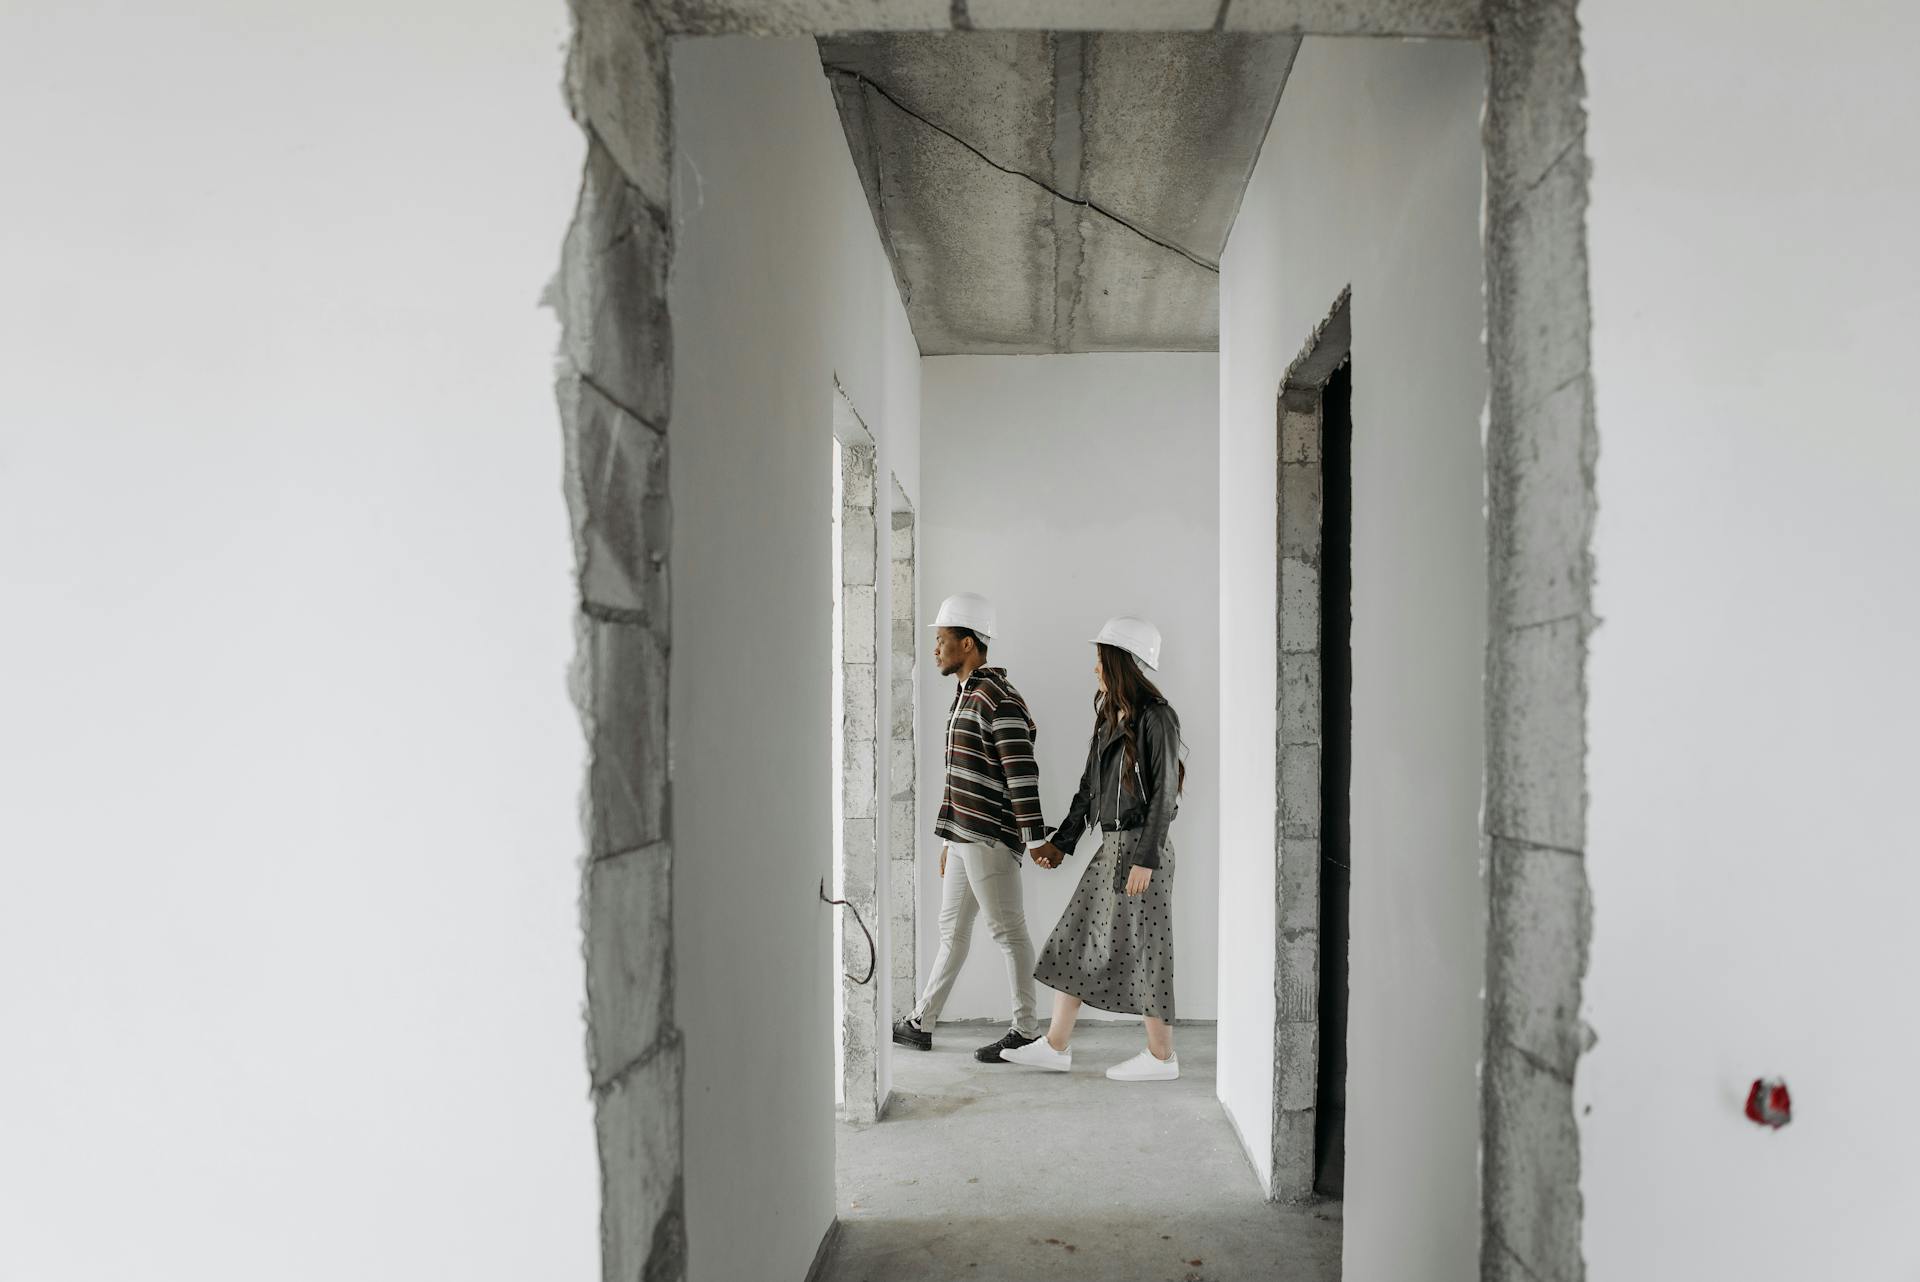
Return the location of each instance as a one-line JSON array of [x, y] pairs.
[[1370, 176], [779, 283], [289, 932], [1751, 846], [1069, 489]]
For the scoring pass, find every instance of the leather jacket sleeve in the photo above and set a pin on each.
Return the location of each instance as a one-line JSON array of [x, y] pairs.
[[1159, 757], [1074, 826]]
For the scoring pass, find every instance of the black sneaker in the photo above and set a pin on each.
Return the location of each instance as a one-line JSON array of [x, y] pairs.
[[1013, 1040], [908, 1033]]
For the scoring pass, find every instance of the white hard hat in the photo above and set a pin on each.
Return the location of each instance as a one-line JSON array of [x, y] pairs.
[[967, 610], [1136, 636]]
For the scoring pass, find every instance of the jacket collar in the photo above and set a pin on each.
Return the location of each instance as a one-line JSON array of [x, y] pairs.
[[998, 674]]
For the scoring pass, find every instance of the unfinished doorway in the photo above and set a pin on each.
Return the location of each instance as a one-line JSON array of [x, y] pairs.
[[1315, 489], [617, 358], [856, 756]]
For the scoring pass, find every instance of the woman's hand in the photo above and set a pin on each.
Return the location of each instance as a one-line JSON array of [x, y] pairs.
[[1137, 880], [943, 861], [1047, 855]]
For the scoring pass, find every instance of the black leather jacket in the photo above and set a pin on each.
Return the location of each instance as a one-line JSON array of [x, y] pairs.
[[1120, 800]]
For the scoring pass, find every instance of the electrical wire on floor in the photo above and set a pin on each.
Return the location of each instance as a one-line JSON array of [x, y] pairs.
[[873, 951]]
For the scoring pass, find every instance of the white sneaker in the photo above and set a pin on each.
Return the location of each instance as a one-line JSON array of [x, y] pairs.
[[1039, 1053], [1145, 1067]]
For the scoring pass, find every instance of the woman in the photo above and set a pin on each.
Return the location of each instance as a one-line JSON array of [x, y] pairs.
[[1113, 946]]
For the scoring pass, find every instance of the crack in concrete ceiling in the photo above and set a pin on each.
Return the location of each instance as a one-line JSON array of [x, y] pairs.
[[1057, 192], [1069, 197]]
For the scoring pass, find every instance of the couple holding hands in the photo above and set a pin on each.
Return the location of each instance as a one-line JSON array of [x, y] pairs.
[[1113, 946]]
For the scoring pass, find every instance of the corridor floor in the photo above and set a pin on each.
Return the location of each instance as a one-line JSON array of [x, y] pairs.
[[988, 1173]]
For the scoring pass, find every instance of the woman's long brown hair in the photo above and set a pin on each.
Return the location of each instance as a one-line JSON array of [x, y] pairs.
[[1128, 692]]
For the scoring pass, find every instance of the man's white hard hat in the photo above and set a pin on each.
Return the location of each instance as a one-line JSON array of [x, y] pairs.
[[1136, 636], [967, 610]]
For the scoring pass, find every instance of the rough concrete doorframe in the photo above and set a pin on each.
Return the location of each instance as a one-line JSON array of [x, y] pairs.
[[859, 783], [614, 391], [1297, 805], [903, 842]]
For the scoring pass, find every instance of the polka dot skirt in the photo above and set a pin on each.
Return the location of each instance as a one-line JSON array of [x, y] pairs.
[[1111, 950]]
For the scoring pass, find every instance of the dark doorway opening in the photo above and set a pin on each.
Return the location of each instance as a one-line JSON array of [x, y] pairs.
[[1336, 731]]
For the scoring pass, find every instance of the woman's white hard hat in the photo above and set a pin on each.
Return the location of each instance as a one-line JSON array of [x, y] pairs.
[[1136, 636], [967, 610]]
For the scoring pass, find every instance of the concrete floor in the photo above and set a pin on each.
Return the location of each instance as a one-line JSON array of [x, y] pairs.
[[989, 1173]]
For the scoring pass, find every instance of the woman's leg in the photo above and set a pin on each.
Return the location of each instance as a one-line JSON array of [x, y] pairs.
[[1159, 1038], [1066, 1009]]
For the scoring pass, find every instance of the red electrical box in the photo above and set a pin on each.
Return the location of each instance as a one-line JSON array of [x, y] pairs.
[[1768, 1103]]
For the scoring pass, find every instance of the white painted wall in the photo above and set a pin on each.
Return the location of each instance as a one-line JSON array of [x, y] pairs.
[[779, 283], [1370, 176], [289, 928], [1069, 489], [1753, 689]]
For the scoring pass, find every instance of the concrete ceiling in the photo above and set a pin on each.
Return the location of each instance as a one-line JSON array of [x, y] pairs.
[[1057, 191]]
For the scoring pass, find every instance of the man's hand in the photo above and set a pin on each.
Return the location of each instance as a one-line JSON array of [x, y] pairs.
[[1047, 855], [943, 861], [1137, 880]]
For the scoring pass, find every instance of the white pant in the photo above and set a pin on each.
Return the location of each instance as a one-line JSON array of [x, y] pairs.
[[981, 876]]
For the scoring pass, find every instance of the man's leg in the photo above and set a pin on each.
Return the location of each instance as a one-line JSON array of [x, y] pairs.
[[995, 874], [958, 908]]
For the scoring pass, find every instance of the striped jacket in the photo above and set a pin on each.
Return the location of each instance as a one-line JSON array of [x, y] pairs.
[[992, 794]]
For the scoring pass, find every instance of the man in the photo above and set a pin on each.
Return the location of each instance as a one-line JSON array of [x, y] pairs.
[[989, 813]]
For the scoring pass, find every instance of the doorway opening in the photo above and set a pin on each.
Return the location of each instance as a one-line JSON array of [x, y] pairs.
[[1315, 716], [618, 336]]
